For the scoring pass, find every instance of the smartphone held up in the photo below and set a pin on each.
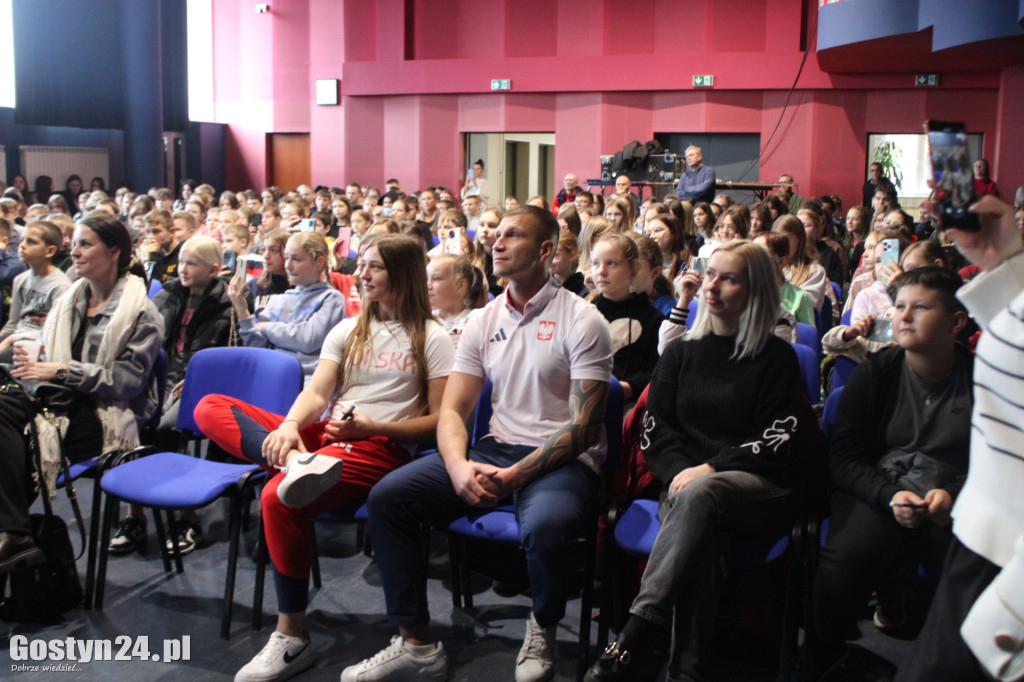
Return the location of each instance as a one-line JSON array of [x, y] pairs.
[[952, 176]]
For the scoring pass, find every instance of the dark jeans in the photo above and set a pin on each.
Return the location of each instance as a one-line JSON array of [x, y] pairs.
[[552, 511], [84, 441], [862, 543], [679, 586]]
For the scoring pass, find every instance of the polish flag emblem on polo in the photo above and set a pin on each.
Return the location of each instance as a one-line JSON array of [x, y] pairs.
[[546, 331]]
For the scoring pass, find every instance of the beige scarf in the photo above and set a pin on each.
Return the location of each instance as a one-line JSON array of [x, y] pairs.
[[120, 432]]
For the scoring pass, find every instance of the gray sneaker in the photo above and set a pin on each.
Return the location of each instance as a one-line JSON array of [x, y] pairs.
[[307, 477], [397, 662], [536, 660]]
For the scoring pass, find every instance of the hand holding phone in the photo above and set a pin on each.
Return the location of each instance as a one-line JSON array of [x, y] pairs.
[[952, 175]]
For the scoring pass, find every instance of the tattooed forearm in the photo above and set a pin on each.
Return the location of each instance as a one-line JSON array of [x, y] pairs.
[[587, 399]]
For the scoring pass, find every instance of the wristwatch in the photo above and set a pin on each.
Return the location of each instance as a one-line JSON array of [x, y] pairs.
[[62, 372]]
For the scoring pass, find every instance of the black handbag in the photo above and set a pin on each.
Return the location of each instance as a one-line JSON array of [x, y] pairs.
[[48, 395], [43, 592]]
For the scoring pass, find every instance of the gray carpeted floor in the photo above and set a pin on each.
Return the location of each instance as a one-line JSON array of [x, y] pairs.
[[345, 618]]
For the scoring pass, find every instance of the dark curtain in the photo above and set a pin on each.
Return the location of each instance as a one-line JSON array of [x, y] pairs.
[[68, 57]]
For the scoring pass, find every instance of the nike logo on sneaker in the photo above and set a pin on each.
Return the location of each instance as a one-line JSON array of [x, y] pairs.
[[288, 658]]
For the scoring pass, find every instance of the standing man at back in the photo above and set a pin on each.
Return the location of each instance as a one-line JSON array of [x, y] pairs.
[[548, 355], [697, 183]]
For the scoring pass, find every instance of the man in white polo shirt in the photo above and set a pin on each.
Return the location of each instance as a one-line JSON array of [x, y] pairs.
[[548, 355]]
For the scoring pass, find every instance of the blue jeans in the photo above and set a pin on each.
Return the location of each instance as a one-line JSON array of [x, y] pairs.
[[552, 511]]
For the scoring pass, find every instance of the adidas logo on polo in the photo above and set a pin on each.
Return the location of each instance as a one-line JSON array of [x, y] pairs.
[[500, 336]]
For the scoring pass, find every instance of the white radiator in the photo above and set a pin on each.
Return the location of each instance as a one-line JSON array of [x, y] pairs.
[[61, 162]]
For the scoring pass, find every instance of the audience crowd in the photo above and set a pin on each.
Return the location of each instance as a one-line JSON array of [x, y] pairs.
[[400, 305]]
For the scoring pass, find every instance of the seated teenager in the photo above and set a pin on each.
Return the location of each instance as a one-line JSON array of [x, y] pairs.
[[633, 321], [733, 224], [565, 264], [161, 246], [650, 279], [719, 474], [898, 455], [196, 313], [378, 412], [677, 248], [273, 280], [802, 269], [456, 289], [33, 292], [482, 257], [298, 320], [873, 304], [101, 339], [795, 301]]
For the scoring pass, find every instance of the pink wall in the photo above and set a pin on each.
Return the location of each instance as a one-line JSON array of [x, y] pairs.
[[587, 71]]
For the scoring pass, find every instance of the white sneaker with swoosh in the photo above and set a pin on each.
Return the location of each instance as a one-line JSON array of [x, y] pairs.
[[307, 477], [283, 657]]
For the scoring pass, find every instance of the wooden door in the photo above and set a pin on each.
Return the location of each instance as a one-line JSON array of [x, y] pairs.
[[289, 160]]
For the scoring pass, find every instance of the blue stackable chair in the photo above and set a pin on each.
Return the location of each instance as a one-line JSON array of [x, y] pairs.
[[155, 287], [808, 336], [847, 318], [171, 481], [500, 524], [842, 368], [826, 318], [810, 371], [693, 307]]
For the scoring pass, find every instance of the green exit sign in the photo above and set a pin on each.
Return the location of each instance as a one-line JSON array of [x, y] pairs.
[[705, 81], [927, 79], [501, 84]]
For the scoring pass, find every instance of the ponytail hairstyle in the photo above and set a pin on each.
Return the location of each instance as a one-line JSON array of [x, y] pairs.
[[406, 264], [114, 234], [315, 246], [280, 238], [463, 270], [650, 253]]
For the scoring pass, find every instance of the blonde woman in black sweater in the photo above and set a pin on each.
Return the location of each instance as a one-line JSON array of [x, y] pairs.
[[722, 413]]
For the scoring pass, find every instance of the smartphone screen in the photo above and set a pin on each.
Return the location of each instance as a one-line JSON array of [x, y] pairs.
[[343, 244], [881, 331], [701, 266], [231, 261], [454, 243], [307, 225], [890, 256], [952, 174]]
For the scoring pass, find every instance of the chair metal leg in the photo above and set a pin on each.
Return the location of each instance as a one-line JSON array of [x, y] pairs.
[[315, 567], [261, 572], [454, 564], [586, 603], [234, 534], [792, 600], [94, 527], [465, 575], [161, 538], [109, 509]]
